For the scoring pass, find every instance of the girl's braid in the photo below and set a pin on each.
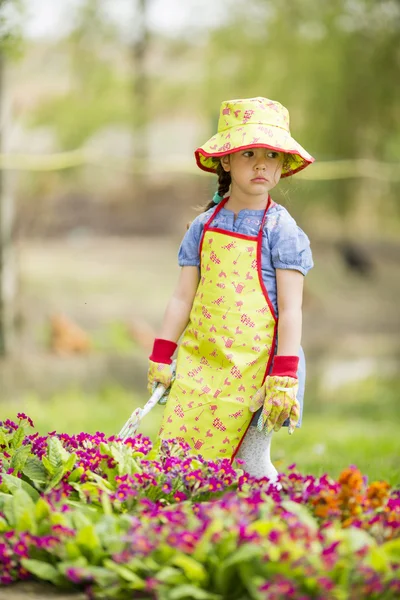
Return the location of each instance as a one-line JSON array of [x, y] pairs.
[[224, 182]]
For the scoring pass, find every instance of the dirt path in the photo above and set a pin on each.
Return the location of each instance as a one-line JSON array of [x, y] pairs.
[[36, 591]]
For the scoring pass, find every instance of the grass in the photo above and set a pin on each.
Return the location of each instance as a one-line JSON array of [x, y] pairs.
[[358, 425]]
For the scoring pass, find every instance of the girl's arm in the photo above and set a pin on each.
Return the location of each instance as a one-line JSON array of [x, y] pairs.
[[177, 313], [290, 298]]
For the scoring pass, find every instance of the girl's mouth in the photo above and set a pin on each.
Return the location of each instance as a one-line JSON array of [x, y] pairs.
[[259, 180]]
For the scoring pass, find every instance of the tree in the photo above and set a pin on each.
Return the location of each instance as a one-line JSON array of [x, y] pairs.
[[334, 63], [8, 44]]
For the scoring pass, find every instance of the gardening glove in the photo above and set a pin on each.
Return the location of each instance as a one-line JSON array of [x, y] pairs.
[[160, 370], [278, 396]]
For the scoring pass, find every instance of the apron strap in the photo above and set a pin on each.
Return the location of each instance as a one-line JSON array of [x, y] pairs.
[[270, 203], [216, 211]]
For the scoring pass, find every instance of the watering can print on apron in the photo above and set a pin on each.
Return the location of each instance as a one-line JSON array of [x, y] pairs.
[[227, 347]]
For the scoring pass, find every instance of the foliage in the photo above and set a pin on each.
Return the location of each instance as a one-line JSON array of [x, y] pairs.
[[99, 92], [333, 66], [10, 35], [118, 518]]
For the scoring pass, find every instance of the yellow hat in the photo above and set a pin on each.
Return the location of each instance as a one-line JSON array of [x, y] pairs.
[[253, 123]]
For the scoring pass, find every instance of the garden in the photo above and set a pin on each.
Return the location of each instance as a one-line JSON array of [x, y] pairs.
[[116, 520]]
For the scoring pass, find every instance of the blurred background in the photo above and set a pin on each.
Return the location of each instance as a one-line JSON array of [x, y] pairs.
[[102, 105]]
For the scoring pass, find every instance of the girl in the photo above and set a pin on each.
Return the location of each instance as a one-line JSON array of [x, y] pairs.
[[243, 262]]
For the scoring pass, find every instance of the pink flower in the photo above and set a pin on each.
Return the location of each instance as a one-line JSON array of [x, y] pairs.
[[23, 417]]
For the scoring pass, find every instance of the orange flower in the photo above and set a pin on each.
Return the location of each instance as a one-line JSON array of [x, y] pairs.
[[377, 493], [352, 479], [325, 503]]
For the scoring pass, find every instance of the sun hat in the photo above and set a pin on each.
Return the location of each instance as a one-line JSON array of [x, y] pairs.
[[253, 123]]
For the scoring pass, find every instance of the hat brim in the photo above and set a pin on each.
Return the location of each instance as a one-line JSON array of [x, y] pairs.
[[253, 135]]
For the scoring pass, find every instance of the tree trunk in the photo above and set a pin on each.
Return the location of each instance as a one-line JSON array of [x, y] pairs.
[[7, 274], [140, 83]]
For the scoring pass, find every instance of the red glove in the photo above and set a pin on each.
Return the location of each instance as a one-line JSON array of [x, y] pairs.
[[163, 351], [159, 361], [285, 366]]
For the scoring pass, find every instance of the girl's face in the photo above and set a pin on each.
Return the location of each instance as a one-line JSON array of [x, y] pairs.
[[254, 171]]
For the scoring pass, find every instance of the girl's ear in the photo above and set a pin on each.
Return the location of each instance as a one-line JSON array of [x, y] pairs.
[[226, 163]]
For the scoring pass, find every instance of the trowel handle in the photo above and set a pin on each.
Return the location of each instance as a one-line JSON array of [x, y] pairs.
[[153, 400]]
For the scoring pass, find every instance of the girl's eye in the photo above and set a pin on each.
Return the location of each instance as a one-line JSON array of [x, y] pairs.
[[248, 153], [273, 154]]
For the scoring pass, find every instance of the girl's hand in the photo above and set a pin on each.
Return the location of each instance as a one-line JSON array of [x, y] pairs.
[[160, 370], [158, 373], [278, 394]]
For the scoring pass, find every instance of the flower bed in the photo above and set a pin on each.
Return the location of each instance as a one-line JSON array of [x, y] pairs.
[[117, 520]]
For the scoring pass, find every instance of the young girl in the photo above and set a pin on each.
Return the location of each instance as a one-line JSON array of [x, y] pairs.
[[243, 262]]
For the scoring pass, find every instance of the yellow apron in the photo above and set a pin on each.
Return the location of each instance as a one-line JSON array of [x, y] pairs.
[[227, 347]]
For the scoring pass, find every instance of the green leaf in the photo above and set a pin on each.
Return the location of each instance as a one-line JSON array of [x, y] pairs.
[[250, 580], [40, 569], [3, 525], [48, 466], [119, 459], [70, 463], [302, 512], [245, 553], [102, 483], [378, 559], [103, 577], [72, 550], [55, 480], [190, 592], [105, 449], [171, 576], [87, 538], [76, 474], [357, 538], [17, 437], [15, 483], [55, 453], [20, 457], [126, 574], [106, 504], [23, 509], [34, 470], [42, 509], [193, 570], [7, 509], [392, 549], [4, 438]]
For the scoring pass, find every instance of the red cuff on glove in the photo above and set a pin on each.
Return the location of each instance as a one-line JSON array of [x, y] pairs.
[[163, 351], [285, 366]]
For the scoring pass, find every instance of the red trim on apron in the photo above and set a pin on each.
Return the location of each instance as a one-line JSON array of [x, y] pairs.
[[257, 238]]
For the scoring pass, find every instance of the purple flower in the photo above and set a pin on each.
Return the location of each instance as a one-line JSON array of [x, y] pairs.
[[24, 417]]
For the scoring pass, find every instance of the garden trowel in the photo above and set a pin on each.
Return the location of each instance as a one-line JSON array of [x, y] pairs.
[[159, 396]]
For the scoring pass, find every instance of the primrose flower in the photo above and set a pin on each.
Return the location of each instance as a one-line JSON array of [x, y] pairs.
[[21, 549], [78, 575], [24, 417], [166, 487], [179, 496], [214, 485]]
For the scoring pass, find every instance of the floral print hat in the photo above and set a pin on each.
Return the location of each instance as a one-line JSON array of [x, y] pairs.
[[249, 123]]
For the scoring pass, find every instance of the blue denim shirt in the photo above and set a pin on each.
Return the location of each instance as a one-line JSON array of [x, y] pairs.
[[284, 246]]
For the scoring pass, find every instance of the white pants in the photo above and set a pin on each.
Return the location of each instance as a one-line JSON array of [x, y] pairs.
[[256, 452]]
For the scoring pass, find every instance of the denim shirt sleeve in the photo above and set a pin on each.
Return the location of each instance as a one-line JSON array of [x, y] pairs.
[[290, 246], [189, 255]]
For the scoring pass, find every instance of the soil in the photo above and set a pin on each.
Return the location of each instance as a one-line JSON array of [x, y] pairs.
[[36, 591]]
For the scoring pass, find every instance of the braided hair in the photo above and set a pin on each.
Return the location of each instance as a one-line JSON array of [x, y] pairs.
[[224, 182]]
